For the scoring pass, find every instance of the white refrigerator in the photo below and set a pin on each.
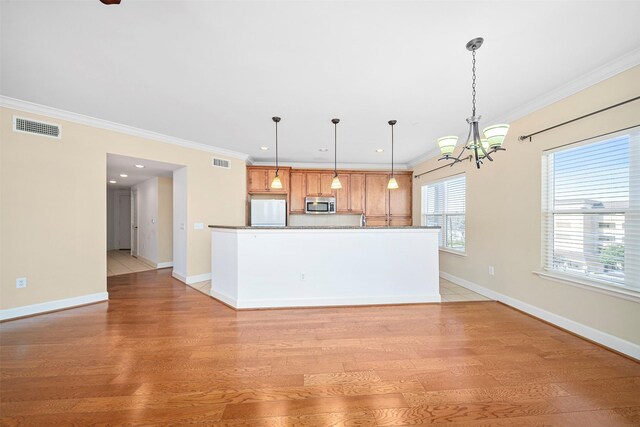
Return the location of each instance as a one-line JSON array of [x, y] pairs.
[[268, 213]]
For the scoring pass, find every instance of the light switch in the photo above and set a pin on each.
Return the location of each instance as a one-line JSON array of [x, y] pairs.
[[198, 226]]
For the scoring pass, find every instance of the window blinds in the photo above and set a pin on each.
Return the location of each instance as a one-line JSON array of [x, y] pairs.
[[443, 205], [591, 211]]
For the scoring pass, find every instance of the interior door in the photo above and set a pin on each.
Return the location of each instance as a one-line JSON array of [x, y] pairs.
[[124, 221], [133, 223]]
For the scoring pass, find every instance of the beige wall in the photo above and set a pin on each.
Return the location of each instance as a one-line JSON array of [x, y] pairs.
[[53, 203], [165, 219], [504, 205]]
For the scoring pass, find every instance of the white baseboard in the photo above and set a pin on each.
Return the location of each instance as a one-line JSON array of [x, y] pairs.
[[198, 278], [623, 346], [155, 264], [28, 310], [164, 264], [323, 302], [178, 276]]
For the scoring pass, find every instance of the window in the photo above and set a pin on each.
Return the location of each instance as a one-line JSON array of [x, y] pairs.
[[591, 211], [443, 205]]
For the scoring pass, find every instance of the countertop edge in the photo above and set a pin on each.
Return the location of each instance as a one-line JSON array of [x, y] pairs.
[[230, 227]]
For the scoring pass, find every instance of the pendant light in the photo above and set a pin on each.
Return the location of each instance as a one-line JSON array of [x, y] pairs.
[[335, 184], [393, 184], [276, 183], [481, 146]]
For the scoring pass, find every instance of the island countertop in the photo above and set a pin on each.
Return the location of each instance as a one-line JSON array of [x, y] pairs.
[[337, 227]]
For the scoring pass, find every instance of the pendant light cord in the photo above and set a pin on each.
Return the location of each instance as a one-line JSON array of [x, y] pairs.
[[277, 169], [335, 149], [391, 151], [473, 82]]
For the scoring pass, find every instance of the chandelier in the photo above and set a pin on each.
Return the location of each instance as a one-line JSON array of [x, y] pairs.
[[481, 146]]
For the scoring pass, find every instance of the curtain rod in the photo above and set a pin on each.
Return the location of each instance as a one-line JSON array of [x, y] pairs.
[[523, 137], [591, 137], [469, 157]]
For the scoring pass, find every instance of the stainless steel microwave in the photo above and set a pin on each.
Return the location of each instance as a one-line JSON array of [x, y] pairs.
[[320, 205]]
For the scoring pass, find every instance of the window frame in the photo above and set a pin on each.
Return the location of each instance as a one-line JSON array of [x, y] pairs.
[[549, 211], [443, 230]]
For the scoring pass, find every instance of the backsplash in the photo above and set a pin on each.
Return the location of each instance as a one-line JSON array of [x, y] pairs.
[[322, 220]]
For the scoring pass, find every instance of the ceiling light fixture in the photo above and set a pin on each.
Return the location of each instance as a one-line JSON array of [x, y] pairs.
[[112, 181], [124, 175], [393, 184], [493, 135], [379, 150], [276, 183], [140, 166], [335, 184], [264, 148], [323, 150]]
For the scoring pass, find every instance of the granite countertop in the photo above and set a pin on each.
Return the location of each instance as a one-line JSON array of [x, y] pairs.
[[345, 227]]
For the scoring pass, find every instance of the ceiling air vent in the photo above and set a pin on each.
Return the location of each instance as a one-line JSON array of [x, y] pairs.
[[35, 127], [221, 163]]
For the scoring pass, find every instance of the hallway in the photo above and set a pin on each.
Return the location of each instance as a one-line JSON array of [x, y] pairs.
[[121, 262]]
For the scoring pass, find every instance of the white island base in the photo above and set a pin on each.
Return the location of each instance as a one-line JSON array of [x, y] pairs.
[[310, 267]]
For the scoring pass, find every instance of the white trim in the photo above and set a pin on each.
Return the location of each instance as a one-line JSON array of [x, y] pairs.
[[153, 263], [623, 346], [617, 66], [627, 294], [448, 178], [198, 278], [61, 304], [452, 251], [179, 277], [382, 167], [164, 264], [30, 107], [324, 302]]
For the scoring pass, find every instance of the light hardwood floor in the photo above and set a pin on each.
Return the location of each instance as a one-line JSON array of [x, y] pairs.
[[161, 353], [121, 262]]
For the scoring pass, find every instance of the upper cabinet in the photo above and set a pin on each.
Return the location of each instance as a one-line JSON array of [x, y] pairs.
[[319, 184], [376, 195], [400, 198], [259, 180], [298, 192]]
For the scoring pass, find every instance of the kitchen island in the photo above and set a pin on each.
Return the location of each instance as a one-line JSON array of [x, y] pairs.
[[270, 267]]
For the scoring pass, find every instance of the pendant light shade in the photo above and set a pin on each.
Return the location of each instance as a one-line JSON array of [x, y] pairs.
[[276, 184], [335, 183], [393, 184], [495, 135]]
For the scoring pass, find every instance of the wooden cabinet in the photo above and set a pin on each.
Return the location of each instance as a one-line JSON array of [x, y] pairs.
[[325, 184], [376, 195], [259, 180], [313, 184], [356, 193], [388, 207], [298, 192], [343, 195]]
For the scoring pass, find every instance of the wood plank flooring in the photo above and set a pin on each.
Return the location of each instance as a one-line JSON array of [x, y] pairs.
[[162, 353]]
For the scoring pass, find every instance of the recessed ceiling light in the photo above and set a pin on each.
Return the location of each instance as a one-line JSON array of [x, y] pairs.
[[112, 181], [379, 150], [124, 175], [140, 166], [323, 150], [264, 148]]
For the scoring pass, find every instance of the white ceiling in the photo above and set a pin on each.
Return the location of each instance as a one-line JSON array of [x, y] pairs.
[[215, 72], [117, 165]]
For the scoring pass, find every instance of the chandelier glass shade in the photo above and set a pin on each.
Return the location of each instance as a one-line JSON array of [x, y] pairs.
[[482, 145]]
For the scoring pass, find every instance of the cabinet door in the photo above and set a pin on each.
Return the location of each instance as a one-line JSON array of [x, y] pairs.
[[284, 177], [376, 195], [257, 179], [376, 221], [405, 221], [298, 192], [356, 193], [313, 184], [325, 184], [342, 195], [400, 198]]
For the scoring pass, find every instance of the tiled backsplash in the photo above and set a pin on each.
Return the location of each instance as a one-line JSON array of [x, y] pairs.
[[322, 220]]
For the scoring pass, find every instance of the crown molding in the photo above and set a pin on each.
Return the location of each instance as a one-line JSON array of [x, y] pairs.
[[330, 165], [604, 72], [43, 110]]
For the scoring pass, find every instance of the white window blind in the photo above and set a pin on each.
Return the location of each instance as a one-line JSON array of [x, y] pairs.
[[443, 205], [591, 211]]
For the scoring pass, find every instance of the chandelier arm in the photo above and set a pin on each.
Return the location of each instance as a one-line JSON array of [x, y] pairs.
[[485, 154]]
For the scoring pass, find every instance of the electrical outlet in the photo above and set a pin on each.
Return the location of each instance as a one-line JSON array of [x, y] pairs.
[[301, 276], [21, 282], [492, 271]]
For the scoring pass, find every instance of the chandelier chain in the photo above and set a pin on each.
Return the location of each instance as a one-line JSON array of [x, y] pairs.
[[473, 83]]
